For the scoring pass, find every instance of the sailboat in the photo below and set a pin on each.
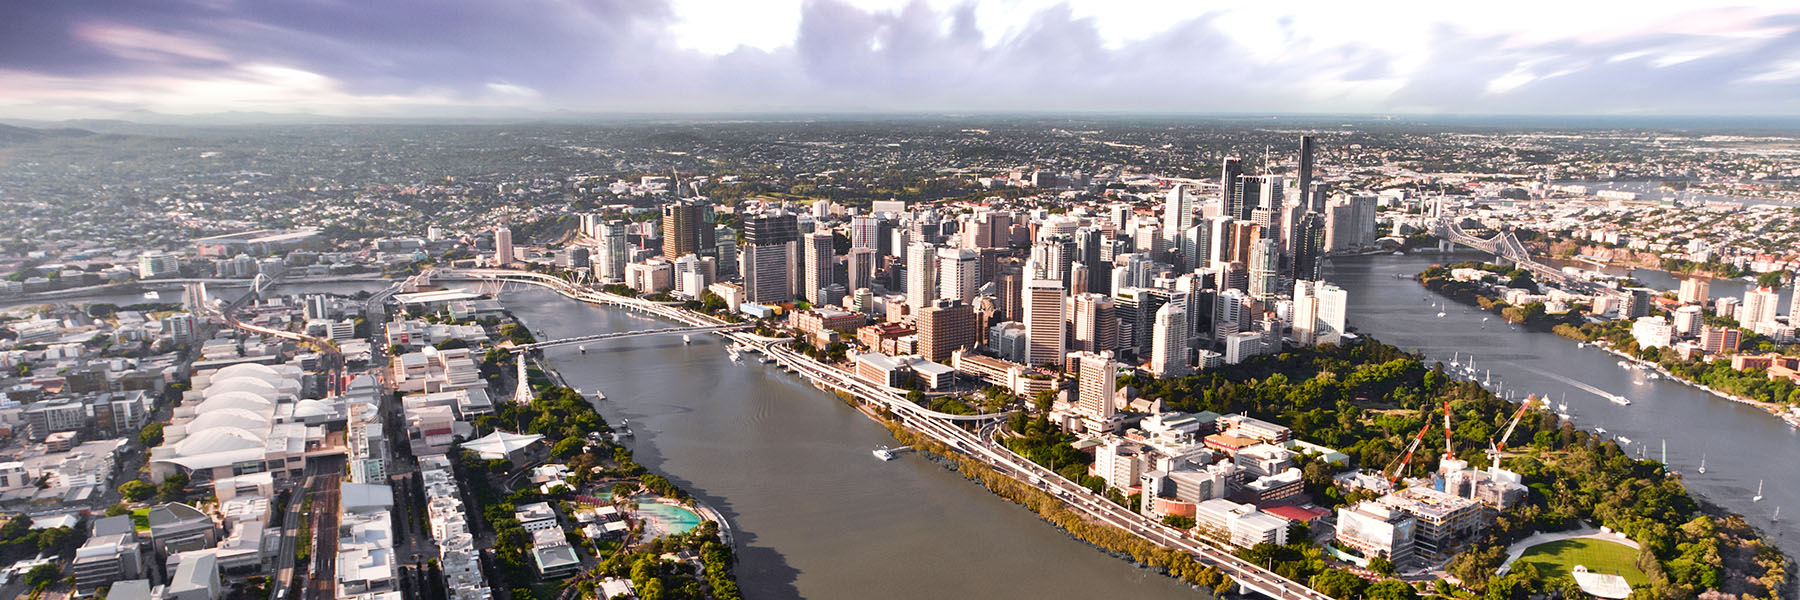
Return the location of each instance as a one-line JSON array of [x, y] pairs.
[[1702, 469], [1758, 497], [1455, 359], [1777, 516]]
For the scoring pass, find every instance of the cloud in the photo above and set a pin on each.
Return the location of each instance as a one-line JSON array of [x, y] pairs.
[[626, 55]]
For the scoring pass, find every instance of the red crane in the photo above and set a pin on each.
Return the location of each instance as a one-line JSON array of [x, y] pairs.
[[1500, 445], [1400, 466], [1449, 450]]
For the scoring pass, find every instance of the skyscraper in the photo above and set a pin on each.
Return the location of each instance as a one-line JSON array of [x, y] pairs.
[[1694, 290], [1178, 215], [1309, 247], [945, 326], [821, 264], [959, 273], [1044, 322], [1229, 172], [503, 248], [1196, 247], [1097, 386], [770, 241], [865, 232], [1168, 354], [1319, 313], [1009, 290], [1053, 255], [683, 226], [1092, 249], [726, 250], [615, 251], [921, 275], [1094, 326], [860, 267], [1219, 230], [1265, 269], [1306, 173], [1760, 306], [1247, 198]]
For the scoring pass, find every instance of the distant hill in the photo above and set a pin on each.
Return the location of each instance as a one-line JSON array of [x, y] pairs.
[[13, 136]]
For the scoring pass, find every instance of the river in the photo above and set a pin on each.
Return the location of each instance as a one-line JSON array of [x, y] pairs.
[[815, 514], [1742, 445]]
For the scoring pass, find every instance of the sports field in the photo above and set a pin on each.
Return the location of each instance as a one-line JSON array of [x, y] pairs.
[[1600, 556]]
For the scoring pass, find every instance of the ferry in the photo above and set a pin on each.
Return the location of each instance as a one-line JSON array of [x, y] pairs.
[[1624, 441], [883, 453], [152, 295], [1619, 400], [1600, 430]]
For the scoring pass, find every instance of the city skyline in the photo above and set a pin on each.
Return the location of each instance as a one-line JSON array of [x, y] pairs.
[[798, 56]]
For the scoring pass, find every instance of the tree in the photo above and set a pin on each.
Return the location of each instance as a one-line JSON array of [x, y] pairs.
[[136, 490], [56, 540], [117, 510], [1390, 589], [452, 344], [567, 447], [151, 435], [1382, 565], [172, 487], [42, 576], [1179, 521], [1339, 584]]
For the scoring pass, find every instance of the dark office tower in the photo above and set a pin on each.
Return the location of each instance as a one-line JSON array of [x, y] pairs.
[[1308, 247], [1091, 251], [1306, 170], [683, 226], [770, 242], [1008, 286], [1246, 197], [1228, 180]]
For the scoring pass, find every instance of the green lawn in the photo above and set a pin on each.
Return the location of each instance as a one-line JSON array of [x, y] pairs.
[[1600, 556], [141, 519]]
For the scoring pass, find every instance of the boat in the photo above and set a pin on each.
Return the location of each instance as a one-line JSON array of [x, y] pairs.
[[1637, 382], [625, 428], [883, 453], [1624, 441], [1624, 365], [1653, 377], [1758, 497], [1702, 469], [152, 295], [686, 339], [1580, 344], [1777, 516], [582, 348], [1599, 430], [1619, 400], [1440, 315]]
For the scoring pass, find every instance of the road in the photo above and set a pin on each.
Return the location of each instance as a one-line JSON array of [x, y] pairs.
[[327, 477]]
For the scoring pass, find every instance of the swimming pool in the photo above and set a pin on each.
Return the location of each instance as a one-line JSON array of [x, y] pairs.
[[665, 519]]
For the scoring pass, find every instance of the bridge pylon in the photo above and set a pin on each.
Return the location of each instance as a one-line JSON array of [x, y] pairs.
[[522, 391]]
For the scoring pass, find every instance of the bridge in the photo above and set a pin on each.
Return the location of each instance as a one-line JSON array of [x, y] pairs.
[[1504, 245], [629, 334]]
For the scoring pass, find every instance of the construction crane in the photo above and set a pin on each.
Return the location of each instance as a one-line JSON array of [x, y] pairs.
[[1399, 467], [1449, 449], [1498, 445]]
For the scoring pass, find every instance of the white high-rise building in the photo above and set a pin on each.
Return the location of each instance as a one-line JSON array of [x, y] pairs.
[[921, 275], [615, 251], [1694, 290], [1093, 322], [959, 273], [821, 259], [860, 266], [1320, 310], [1044, 322], [503, 248], [1168, 355], [1688, 320], [1219, 236], [1760, 305], [1097, 382], [865, 232], [1178, 215]]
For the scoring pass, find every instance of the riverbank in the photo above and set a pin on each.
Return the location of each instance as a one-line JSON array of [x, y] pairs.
[[1779, 411]]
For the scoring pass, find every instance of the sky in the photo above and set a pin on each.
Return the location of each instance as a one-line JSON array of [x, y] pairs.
[[412, 58]]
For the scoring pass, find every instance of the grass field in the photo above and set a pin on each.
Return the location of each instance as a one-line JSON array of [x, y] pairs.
[[1601, 556]]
